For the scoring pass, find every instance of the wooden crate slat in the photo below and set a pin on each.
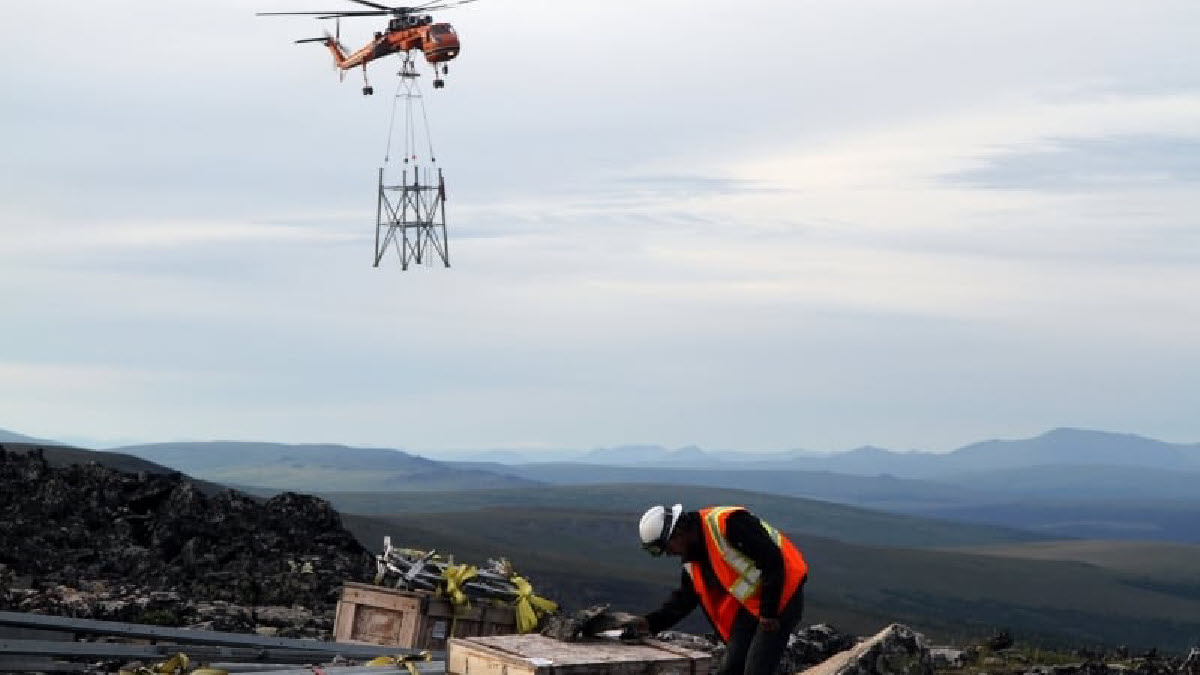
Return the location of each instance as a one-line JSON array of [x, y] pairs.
[[412, 619], [540, 655]]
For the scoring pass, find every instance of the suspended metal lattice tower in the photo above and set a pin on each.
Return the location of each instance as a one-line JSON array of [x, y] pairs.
[[410, 216]]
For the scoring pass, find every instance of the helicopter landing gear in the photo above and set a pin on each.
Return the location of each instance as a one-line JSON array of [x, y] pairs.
[[438, 82], [367, 88]]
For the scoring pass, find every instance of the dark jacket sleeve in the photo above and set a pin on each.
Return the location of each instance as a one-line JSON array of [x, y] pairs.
[[746, 533], [681, 603]]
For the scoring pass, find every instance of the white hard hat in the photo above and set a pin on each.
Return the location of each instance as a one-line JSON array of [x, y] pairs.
[[656, 527]]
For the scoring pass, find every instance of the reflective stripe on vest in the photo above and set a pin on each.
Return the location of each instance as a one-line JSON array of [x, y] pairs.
[[749, 576], [739, 578]]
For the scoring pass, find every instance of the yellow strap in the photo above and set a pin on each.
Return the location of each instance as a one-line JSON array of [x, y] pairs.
[[456, 577], [530, 607], [176, 664], [172, 666], [408, 661]]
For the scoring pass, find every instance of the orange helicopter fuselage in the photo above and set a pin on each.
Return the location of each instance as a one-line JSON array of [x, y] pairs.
[[437, 41]]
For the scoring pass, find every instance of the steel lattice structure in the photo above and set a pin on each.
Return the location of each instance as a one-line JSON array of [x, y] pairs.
[[410, 217]]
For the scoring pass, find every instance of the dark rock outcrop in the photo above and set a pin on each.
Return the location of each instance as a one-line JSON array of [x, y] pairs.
[[813, 645], [89, 541], [895, 650]]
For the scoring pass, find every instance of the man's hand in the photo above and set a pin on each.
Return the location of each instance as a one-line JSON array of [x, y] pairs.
[[768, 625]]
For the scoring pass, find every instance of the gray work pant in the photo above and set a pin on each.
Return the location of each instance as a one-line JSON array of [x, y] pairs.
[[751, 651]]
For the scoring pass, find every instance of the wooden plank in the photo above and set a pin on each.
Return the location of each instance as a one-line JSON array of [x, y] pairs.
[[383, 598], [566, 653], [343, 620], [540, 655], [466, 658]]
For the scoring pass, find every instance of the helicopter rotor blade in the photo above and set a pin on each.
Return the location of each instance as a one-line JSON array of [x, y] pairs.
[[373, 4], [326, 14], [438, 4], [350, 16], [379, 10]]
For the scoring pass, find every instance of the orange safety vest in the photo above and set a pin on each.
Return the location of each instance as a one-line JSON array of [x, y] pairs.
[[737, 573]]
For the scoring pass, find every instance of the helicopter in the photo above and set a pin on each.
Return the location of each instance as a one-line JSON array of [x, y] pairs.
[[408, 29]]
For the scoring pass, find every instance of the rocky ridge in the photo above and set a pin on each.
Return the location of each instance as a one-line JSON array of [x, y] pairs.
[[91, 542]]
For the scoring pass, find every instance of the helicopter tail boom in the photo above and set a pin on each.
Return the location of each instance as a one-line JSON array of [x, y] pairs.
[[339, 54]]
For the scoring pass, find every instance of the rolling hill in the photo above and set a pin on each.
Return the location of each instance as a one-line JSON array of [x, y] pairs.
[[1164, 562], [13, 437], [1083, 500], [590, 556], [791, 514], [1058, 501], [62, 455], [1146, 520], [883, 492], [316, 467]]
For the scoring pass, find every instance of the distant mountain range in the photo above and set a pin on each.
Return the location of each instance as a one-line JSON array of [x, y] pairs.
[[13, 437], [315, 468], [1058, 447], [1066, 482], [1064, 446]]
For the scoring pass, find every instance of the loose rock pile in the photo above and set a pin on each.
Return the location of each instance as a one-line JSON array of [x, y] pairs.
[[895, 650], [92, 542], [810, 646]]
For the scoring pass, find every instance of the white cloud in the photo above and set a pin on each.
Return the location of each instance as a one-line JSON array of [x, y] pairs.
[[715, 225]]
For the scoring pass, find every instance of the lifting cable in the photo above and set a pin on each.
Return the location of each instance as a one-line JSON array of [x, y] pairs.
[[407, 89]]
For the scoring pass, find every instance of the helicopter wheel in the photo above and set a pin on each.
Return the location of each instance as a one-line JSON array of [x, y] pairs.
[[438, 84], [367, 91]]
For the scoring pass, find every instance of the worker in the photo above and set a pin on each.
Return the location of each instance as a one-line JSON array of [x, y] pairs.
[[747, 576]]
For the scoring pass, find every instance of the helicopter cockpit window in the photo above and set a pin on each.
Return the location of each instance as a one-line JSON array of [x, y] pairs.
[[441, 29]]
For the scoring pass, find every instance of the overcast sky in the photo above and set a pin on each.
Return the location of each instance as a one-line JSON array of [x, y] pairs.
[[754, 226]]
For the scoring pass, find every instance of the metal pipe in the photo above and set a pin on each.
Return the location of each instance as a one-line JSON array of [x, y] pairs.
[[197, 637]]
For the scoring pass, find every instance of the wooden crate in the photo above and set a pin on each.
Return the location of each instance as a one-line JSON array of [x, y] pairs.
[[540, 655], [415, 620]]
